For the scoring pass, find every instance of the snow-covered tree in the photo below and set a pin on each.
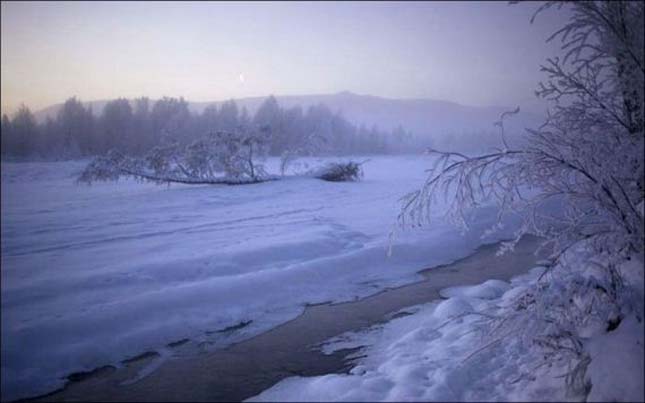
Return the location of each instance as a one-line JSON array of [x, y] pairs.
[[588, 154], [218, 158], [577, 182]]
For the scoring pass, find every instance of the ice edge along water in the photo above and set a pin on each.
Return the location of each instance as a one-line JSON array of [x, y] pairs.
[[441, 351], [95, 275]]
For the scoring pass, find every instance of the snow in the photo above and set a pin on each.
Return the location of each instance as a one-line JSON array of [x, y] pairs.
[[420, 357], [453, 307], [443, 352], [95, 275], [612, 358], [620, 355], [487, 290]]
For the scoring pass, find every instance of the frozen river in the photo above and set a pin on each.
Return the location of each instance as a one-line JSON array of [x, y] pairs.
[[93, 275]]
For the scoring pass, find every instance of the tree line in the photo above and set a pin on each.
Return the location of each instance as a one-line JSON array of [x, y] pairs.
[[136, 126]]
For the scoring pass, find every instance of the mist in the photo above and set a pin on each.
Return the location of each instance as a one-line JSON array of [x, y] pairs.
[[402, 76], [322, 201]]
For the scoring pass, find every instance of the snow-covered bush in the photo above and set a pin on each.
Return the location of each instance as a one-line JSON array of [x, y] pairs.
[[219, 158], [581, 300], [340, 172]]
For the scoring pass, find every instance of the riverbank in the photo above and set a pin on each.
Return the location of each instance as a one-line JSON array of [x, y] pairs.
[[247, 368]]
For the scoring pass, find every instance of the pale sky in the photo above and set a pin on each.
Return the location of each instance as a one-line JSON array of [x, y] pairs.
[[479, 53]]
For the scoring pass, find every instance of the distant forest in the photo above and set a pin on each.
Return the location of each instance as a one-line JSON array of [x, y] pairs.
[[134, 127]]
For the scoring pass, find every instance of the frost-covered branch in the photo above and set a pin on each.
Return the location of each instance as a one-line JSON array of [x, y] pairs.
[[580, 175], [220, 158], [604, 58]]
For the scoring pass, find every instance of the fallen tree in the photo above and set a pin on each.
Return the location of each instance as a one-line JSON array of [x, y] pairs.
[[219, 159]]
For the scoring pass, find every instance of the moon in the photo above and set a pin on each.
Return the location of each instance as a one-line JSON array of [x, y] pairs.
[[242, 80]]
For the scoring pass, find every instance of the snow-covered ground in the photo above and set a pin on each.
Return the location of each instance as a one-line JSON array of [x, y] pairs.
[[94, 275], [447, 351]]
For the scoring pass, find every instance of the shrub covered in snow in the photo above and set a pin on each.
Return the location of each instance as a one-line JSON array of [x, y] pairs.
[[219, 158], [570, 305], [340, 172]]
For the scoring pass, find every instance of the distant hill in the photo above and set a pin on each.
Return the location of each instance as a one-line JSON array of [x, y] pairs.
[[443, 121]]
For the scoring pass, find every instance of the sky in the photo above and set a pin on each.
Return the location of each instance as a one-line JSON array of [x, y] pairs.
[[474, 53]]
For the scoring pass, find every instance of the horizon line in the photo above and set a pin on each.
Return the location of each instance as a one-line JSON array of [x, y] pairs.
[[7, 109]]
